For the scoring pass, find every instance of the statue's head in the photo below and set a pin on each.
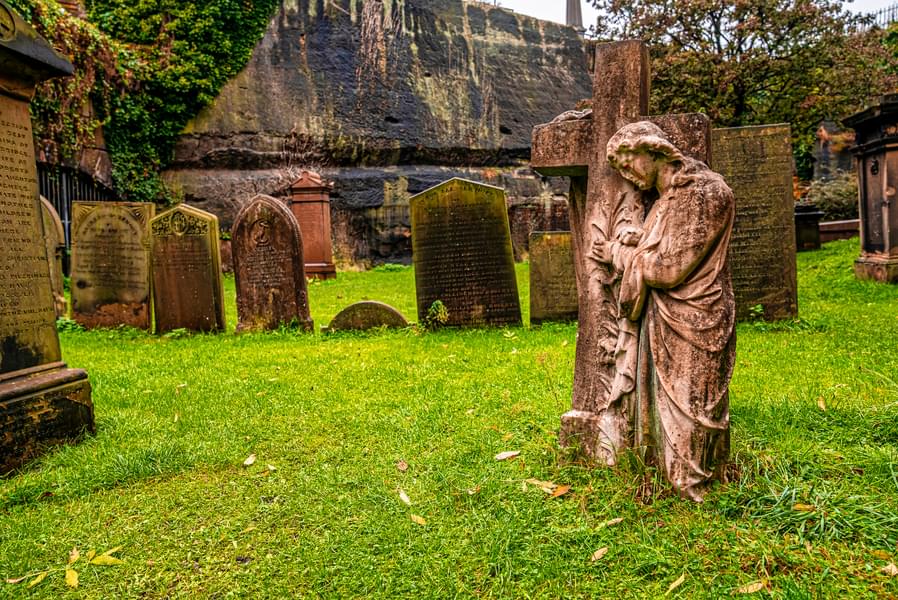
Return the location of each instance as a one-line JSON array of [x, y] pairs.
[[639, 150]]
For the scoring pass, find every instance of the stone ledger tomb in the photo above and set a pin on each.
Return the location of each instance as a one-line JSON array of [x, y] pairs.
[[269, 268], [111, 263], [756, 163], [54, 237], [42, 402], [462, 252], [553, 287], [187, 288]]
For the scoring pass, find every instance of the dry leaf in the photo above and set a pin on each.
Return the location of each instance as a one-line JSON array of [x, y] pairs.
[[507, 437], [105, 560], [546, 486], [38, 579], [599, 554], [418, 520], [17, 580], [881, 555], [821, 403], [752, 588], [250, 460], [804, 507], [561, 491], [404, 497], [91, 554], [402, 466], [470, 411], [677, 583], [71, 578], [507, 455], [272, 468], [610, 523], [891, 570], [177, 416], [74, 555], [473, 490]]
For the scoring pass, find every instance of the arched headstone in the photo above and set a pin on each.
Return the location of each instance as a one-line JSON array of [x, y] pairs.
[[54, 237], [366, 315]]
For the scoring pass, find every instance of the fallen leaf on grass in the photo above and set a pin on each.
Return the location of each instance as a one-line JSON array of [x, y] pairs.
[[821, 403], [17, 580], [507, 437], [804, 507], [272, 468], [752, 588], [71, 578], [561, 491], [91, 554], [891, 570], [38, 579], [418, 520], [106, 559], [250, 460], [610, 523], [546, 486], [402, 466], [507, 455], [880, 554], [677, 583], [404, 497], [599, 554], [74, 555], [473, 490]]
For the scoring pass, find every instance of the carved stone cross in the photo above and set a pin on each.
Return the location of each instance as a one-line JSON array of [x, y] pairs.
[[601, 204]]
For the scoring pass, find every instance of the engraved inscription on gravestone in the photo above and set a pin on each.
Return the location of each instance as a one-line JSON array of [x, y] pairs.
[[111, 263], [756, 162], [553, 285], [461, 247], [27, 315], [187, 287], [268, 267]]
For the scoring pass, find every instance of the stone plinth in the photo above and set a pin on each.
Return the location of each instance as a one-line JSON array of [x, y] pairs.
[[42, 402], [311, 205]]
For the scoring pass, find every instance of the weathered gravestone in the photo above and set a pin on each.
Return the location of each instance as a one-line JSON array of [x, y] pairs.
[[42, 402], [369, 314], [187, 288], [757, 164], [54, 238], [553, 288], [603, 206], [111, 263], [268, 267], [462, 252]]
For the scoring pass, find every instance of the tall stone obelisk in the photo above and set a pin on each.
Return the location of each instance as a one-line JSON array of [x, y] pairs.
[[575, 15]]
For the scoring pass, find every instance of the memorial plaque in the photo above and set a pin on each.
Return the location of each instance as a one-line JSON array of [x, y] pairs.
[[111, 263], [187, 288], [362, 316], [54, 238], [268, 267], [553, 284], [461, 248], [756, 162], [42, 402]]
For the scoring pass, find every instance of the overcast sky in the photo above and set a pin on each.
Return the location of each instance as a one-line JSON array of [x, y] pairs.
[[553, 10]]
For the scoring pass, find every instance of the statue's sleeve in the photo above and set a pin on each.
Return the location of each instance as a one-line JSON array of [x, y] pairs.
[[695, 219]]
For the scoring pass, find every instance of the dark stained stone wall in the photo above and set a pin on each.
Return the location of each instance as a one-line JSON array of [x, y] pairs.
[[386, 98]]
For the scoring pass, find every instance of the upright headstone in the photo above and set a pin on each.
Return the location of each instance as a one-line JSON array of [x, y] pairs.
[[553, 286], [54, 238], [111, 263], [311, 205], [461, 248], [42, 402], [268, 267], [187, 288], [757, 164]]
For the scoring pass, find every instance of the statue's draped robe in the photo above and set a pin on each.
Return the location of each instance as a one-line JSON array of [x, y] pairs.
[[677, 280]]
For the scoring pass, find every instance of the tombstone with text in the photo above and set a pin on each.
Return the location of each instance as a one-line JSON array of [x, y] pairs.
[[42, 401], [553, 287]]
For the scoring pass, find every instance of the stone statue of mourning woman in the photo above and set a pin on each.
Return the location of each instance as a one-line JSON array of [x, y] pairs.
[[676, 345]]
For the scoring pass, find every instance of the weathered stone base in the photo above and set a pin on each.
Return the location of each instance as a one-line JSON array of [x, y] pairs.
[[42, 407], [877, 268], [580, 429], [321, 271]]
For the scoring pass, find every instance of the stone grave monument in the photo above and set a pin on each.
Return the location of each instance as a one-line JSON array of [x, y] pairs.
[[366, 315], [553, 288], [462, 252], [187, 288], [111, 263], [268, 267], [311, 205], [757, 164], [54, 237], [42, 401], [618, 163]]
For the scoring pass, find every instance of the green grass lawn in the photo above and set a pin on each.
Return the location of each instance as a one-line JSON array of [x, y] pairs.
[[813, 511]]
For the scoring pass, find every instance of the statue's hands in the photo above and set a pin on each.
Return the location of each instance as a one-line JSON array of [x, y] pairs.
[[601, 252], [630, 236]]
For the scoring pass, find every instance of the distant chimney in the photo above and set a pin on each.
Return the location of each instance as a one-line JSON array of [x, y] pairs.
[[575, 15]]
